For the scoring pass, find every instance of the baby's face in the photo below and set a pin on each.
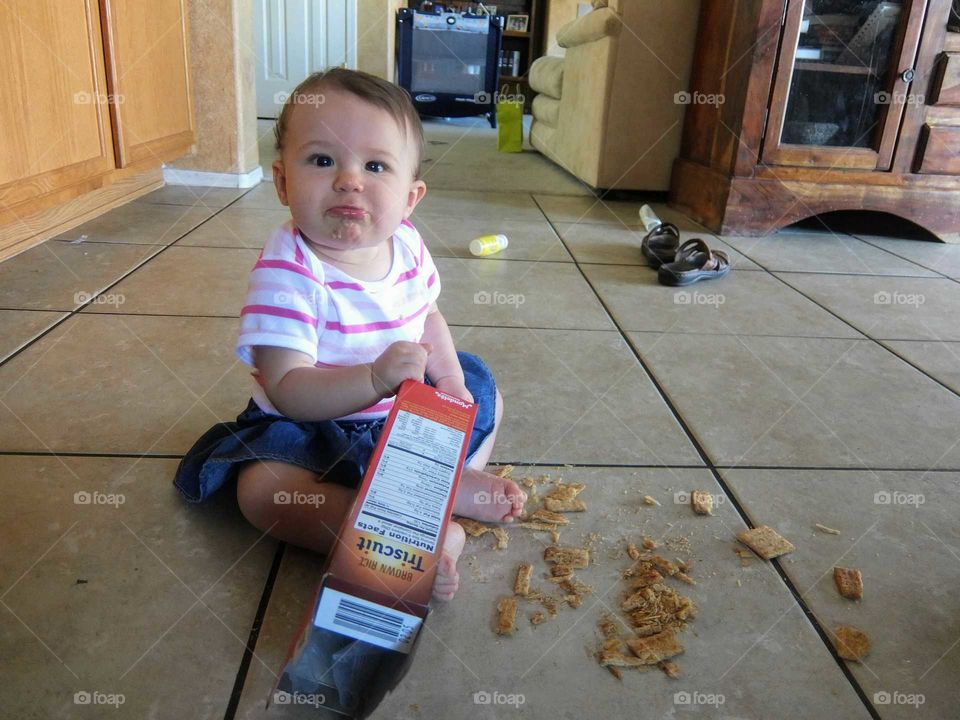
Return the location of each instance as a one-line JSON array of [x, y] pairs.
[[346, 172]]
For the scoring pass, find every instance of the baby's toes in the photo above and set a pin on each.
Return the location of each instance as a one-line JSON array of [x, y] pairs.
[[518, 499]]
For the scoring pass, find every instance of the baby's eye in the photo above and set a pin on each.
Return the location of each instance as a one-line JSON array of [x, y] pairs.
[[375, 166], [320, 160]]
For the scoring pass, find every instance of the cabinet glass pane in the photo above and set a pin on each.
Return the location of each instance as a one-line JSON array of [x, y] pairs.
[[841, 71]]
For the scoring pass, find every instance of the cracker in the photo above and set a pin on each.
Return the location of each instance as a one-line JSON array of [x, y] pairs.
[[610, 658], [548, 516], [648, 500], [849, 582], [670, 668], [521, 585], [503, 471], [655, 648], [575, 587], [537, 618], [559, 505], [825, 529], [632, 551], [664, 565], [502, 538], [851, 643], [472, 527], [572, 557], [644, 578], [562, 491], [561, 572], [702, 502], [507, 615], [765, 542], [649, 543]]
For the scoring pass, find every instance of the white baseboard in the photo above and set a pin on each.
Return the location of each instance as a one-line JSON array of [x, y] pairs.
[[173, 176]]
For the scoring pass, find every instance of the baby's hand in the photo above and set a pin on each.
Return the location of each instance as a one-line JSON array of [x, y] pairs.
[[401, 361], [454, 386]]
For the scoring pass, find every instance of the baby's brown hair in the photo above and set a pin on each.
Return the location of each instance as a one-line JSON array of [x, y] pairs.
[[376, 91]]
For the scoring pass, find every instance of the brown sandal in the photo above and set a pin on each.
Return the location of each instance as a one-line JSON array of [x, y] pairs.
[[694, 262]]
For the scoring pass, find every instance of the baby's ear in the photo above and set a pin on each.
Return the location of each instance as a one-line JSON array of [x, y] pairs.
[[280, 180], [417, 190]]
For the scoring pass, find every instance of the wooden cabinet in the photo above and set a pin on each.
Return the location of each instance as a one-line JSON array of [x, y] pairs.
[[92, 92], [54, 113], [803, 107], [146, 53]]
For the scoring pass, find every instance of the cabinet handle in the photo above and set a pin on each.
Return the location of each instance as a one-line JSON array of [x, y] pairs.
[[908, 75]]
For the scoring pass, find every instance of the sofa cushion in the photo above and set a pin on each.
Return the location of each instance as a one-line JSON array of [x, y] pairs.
[[546, 109], [595, 25], [546, 76]]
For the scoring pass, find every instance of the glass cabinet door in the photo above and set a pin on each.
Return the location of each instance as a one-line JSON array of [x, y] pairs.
[[842, 77]]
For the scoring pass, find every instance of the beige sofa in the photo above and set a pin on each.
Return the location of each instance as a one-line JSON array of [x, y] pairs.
[[607, 111]]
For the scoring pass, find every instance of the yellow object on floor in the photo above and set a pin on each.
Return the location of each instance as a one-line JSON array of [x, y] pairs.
[[510, 126]]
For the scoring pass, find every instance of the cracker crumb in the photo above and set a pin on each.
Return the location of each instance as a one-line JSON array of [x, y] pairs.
[[849, 582], [572, 557], [765, 542], [507, 616], [702, 502], [521, 585], [851, 642]]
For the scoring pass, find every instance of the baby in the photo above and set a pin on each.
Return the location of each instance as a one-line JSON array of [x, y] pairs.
[[341, 308]]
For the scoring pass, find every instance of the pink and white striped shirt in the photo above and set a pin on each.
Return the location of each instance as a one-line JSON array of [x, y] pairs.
[[297, 301]]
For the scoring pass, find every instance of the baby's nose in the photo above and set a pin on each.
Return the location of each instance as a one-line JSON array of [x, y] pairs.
[[347, 181]]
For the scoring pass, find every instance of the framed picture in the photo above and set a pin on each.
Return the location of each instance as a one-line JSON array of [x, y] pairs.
[[518, 23]]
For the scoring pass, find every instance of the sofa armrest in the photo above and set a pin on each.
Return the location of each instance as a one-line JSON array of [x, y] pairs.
[[595, 25]]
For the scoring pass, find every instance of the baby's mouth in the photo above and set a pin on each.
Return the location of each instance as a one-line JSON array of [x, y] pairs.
[[347, 212]]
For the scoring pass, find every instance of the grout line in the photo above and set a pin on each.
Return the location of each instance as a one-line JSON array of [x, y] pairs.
[[915, 262], [744, 516], [526, 463], [255, 627], [117, 281], [872, 339]]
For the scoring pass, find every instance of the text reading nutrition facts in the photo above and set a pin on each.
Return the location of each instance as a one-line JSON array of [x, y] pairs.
[[412, 482]]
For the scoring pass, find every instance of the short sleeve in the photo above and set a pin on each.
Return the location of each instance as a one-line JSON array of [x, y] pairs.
[[285, 306], [425, 265]]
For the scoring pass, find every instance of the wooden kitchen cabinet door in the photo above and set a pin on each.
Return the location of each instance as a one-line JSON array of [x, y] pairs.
[[54, 117], [146, 46]]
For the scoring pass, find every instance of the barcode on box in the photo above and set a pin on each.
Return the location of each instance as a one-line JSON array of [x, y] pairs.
[[367, 621]]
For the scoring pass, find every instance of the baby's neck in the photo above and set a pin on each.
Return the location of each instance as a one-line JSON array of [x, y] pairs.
[[369, 263]]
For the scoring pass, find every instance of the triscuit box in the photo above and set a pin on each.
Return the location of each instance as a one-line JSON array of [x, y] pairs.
[[366, 618]]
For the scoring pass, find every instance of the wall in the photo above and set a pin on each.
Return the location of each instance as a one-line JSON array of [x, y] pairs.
[[559, 13], [222, 72], [376, 36]]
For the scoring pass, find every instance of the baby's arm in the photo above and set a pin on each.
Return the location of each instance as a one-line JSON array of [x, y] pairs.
[[443, 366], [302, 391]]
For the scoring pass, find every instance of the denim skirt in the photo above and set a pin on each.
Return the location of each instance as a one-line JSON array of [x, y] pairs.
[[336, 449]]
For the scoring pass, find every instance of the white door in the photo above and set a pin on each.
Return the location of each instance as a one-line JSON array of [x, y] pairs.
[[294, 38]]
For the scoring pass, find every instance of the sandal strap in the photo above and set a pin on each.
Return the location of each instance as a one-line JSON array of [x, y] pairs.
[[713, 259], [664, 230]]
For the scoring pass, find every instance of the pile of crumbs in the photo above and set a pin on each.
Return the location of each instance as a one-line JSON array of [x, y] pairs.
[[550, 517], [655, 613]]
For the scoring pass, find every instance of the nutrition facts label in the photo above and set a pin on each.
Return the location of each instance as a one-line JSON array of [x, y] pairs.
[[412, 482]]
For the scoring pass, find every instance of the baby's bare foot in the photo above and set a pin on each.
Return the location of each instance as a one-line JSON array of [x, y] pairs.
[[448, 579], [483, 496]]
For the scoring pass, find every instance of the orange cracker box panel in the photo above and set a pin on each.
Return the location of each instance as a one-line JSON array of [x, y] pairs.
[[365, 621]]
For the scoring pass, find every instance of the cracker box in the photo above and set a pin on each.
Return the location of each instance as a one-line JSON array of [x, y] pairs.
[[366, 618]]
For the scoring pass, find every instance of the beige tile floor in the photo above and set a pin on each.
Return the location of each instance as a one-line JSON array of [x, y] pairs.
[[819, 383]]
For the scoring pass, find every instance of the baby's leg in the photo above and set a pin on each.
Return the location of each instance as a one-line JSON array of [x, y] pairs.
[[292, 504], [483, 496]]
